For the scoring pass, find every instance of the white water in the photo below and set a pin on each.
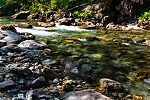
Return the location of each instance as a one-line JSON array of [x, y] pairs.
[[44, 31], [69, 28], [36, 32]]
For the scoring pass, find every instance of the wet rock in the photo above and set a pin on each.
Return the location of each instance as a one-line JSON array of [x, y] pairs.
[[11, 37], [85, 68], [10, 48], [18, 69], [48, 73], [31, 95], [21, 15], [39, 82], [8, 27], [2, 43], [111, 87], [85, 95], [147, 81], [71, 68], [44, 96], [19, 97], [56, 80], [139, 74], [6, 84], [24, 25], [36, 53], [1, 79], [27, 36], [31, 44], [48, 62]]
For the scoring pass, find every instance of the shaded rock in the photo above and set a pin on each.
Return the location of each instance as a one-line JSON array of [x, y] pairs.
[[18, 69], [31, 44], [138, 74], [6, 84], [48, 73], [2, 43], [33, 16], [88, 25], [8, 27], [24, 25], [85, 95], [11, 37], [31, 95], [43, 24], [111, 87], [66, 21], [10, 48], [27, 36], [85, 68], [71, 68], [39, 82], [68, 85], [21, 15]]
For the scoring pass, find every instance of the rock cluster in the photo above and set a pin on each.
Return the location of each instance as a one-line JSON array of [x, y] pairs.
[[29, 72]]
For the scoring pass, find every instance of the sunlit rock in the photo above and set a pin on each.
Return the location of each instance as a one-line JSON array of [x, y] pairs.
[[31, 44], [85, 95]]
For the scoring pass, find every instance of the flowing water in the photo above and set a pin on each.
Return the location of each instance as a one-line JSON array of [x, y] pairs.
[[119, 55]]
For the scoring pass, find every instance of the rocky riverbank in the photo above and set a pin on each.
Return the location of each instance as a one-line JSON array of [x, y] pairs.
[[29, 71]]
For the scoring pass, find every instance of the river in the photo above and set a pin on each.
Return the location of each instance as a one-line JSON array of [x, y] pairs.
[[118, 55]]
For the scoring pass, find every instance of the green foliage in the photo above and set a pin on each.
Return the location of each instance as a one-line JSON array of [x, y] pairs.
[[85, 14], [144, 17]]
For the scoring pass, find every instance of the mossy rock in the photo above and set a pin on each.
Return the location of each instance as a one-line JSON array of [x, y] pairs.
[[139, 74], [69, 41]]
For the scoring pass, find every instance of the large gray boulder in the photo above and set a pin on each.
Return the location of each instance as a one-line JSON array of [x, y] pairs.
[[31, 44], [10, 36]]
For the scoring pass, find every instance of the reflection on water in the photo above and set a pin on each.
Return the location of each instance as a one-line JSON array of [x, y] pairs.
[[112, 54]]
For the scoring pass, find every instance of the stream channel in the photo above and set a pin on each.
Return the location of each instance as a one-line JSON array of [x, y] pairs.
[[119, 55]]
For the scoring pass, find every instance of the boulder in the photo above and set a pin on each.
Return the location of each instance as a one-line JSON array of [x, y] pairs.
[[11, 37], [24, 25], [6, 84], [66, 21], [8, 27], [85, 95], [43, 24], [31, 44], [33, 16], [112, 88], [21, 15]]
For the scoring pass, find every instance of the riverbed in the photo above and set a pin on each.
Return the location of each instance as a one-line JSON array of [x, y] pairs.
[[123, 56]]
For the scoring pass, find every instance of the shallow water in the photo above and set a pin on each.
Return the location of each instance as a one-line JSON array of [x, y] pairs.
[[111, 54]]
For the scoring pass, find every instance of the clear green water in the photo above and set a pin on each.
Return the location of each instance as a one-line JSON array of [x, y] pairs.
[[106, 54]]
